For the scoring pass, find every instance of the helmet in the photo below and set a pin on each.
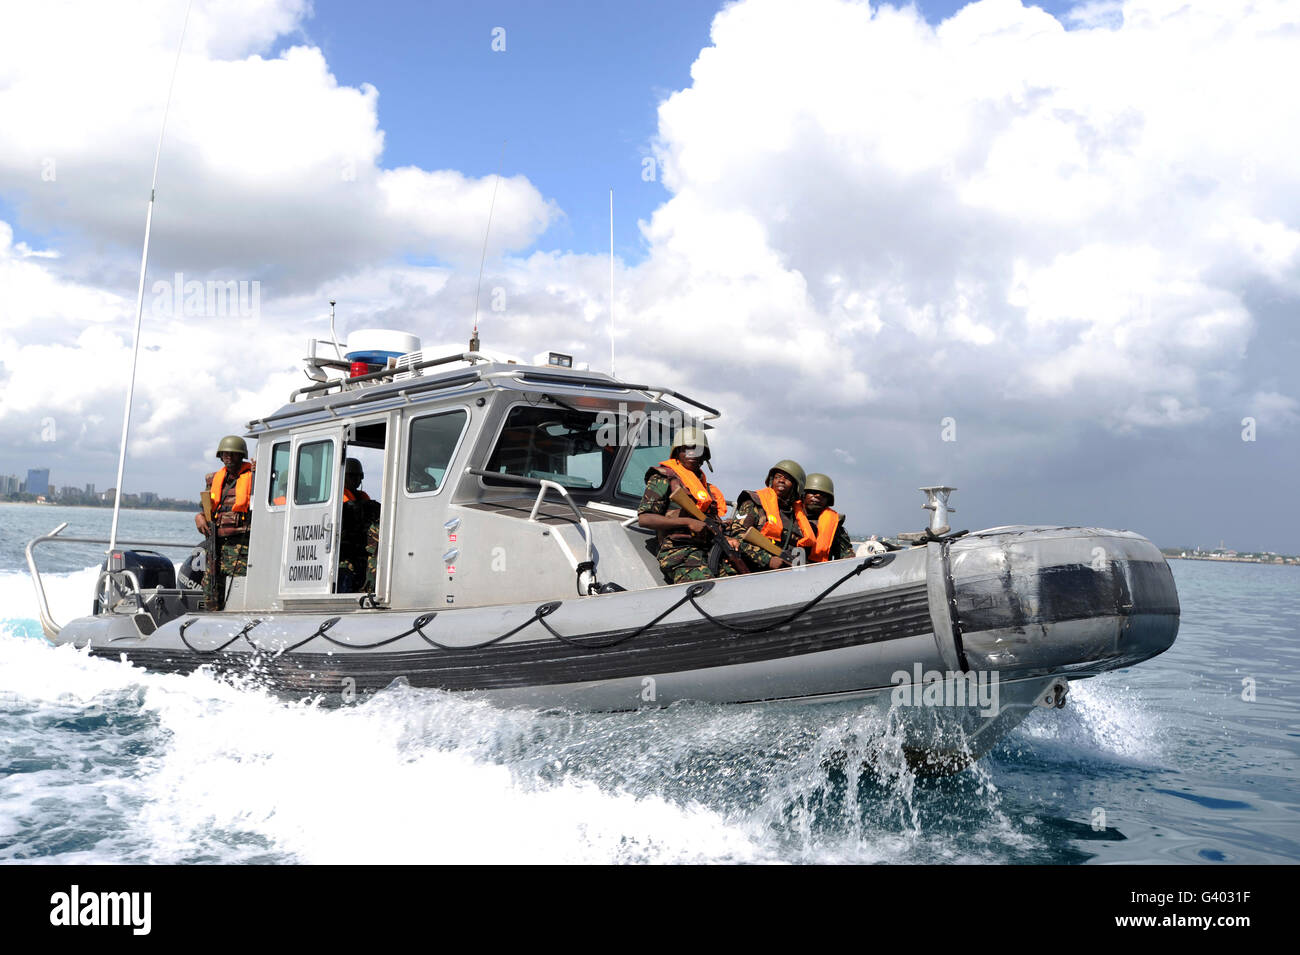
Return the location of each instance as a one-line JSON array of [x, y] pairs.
[[820, 482], [232, 442], [353, 466], [791, 468], [691, 438]]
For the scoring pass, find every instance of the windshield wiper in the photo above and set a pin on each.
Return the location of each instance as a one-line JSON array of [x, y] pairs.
[[565, 404]]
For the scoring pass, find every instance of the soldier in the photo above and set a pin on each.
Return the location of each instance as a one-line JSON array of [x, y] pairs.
[[683, 542], [356, 555], [771, 510], [828, 540], [225, 519], [353, 475]]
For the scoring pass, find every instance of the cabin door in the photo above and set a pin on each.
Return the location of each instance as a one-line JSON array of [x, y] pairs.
[[314, 504]]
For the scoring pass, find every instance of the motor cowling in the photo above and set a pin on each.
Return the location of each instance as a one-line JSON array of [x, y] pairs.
[[192, 571], [151, 569]]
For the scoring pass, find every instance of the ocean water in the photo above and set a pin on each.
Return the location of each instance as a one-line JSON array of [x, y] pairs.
[[1170, 761]]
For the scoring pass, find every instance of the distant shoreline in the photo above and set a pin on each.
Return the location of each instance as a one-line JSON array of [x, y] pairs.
[[179, 508], [1279, 561]]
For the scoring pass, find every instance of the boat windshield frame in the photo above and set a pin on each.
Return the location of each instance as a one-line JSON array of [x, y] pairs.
[[628, 424], [546, 413]]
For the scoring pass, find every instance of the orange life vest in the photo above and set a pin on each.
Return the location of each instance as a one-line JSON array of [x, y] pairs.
[[774, 527], [705, 494], [350, 496], [820, 543], [243, 489], [230, 506]]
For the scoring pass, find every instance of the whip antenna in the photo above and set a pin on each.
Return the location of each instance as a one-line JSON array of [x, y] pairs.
[[337, 350], [478, 289], [139, 295], [611, 285]]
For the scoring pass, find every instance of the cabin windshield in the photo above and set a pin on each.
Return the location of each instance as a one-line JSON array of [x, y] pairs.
[[651, 439], [642, 459], [569, 447]]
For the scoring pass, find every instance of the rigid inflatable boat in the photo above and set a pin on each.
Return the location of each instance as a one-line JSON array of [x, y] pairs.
[[510, 566]]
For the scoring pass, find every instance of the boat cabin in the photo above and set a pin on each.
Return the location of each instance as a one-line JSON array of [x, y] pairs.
[[496, 482]]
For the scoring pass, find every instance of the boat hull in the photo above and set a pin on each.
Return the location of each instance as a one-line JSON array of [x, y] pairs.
[[1024, 607]]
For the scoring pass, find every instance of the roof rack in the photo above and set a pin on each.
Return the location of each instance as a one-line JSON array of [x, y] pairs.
[[324, 386], [519, 373], [432, 384], [545, 378]]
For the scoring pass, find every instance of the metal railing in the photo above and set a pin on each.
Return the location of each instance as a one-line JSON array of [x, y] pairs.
[[48, 625], [527, 374], [543, 486]]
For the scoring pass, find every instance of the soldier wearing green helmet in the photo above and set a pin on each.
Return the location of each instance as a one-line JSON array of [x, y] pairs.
[[771, 510], [823, 536], [225, 519], [683, 543]]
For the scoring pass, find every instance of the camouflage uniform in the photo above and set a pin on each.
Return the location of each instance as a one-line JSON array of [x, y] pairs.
[[681, 555], [232, 550], [750, 512], [232, 562], [842, 547], [372, 554]]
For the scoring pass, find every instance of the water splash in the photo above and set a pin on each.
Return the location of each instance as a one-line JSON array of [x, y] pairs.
[[1104, 719], [69, 595], [162, 768], [144, 767]]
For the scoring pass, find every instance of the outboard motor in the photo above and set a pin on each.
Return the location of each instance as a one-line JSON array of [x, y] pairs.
[[193, 570], [125, 570], [151, 569]]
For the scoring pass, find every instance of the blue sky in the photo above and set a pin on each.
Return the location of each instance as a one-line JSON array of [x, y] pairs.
[[574, 95]]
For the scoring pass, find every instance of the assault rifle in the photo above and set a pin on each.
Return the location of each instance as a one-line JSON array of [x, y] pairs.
[[756, 537], [214, 549], [683, 499]]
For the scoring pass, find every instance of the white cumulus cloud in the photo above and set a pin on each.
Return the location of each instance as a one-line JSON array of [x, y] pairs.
[[1054, 233]]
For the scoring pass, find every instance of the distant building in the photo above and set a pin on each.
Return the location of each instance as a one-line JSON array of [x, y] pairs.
[[68, 493], [90, 490], [148, 497], [38, 482], [9, 484]]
